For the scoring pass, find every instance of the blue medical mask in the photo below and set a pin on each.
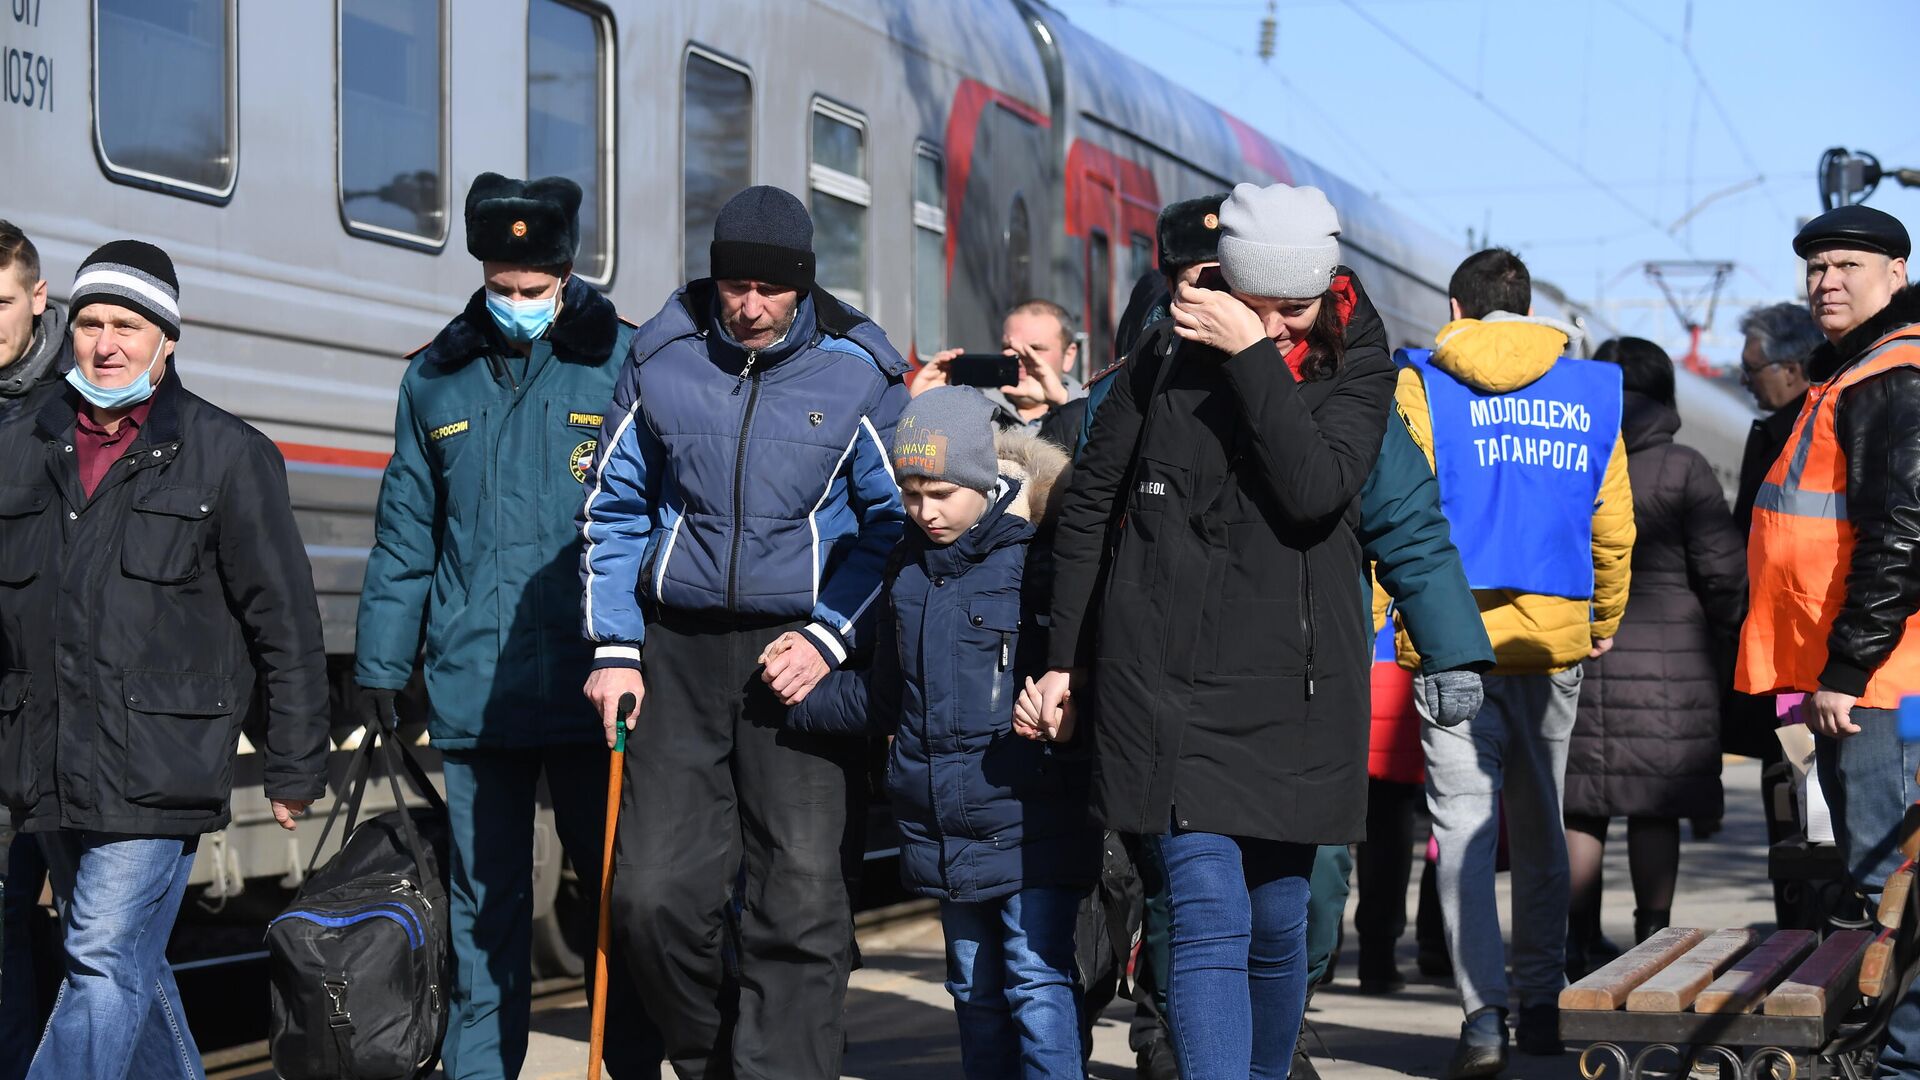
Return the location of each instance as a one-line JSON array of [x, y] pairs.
[[524, 320], [117, 397]]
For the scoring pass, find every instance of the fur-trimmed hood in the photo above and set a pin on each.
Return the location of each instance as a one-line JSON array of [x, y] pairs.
[[1039, 466], [585, 332], [1902, 311]]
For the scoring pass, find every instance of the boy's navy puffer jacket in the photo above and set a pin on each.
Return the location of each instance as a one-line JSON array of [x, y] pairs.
[[982, 811]]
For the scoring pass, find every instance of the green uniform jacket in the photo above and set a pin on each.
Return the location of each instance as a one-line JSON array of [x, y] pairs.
[[475, 561]]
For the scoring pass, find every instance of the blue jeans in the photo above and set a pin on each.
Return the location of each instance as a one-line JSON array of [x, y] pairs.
[[19, 989], [1868, 781], [491, 804], [118, 1010], [1010, 971], [1237, 983]]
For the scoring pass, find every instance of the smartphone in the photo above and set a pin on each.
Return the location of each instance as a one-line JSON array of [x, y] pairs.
[[990, 370], [1211, 278]]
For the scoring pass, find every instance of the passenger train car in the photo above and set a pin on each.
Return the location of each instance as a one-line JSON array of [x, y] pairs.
[[305, 163]]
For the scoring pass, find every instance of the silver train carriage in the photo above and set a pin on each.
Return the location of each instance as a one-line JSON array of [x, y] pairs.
[[305, 161]]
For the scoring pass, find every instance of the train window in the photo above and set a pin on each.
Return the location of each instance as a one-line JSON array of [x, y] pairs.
[[570, 118], [393, 120], [716, 151], [929, 250], [1019, 253], [1139, 257], [165, 111], [841, 195], [1099, 299]]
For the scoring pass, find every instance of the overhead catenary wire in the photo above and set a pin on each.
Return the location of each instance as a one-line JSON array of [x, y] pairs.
[[1685, 49], [1510, 120], [1433, 216]]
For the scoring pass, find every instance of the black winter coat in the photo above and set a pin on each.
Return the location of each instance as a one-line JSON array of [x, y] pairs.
[[1647, 741], [1229, 636], [134, 625], [982, 812]]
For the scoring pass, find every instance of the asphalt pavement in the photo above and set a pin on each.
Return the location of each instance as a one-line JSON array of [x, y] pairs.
[[901, 1020]]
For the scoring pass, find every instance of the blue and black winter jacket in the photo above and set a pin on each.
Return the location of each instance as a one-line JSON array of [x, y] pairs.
[[744, 485], [982, 812]]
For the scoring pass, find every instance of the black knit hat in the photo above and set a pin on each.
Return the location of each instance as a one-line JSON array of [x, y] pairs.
[[132, 274], [523, 222], [1190, 233], [764, 234]]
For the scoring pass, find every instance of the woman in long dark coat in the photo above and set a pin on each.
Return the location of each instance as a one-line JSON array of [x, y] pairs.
[[1230, 643], [1646, 746]]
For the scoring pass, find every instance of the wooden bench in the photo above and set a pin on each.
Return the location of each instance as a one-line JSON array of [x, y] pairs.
[[1767, 1006], [1789, 1007]]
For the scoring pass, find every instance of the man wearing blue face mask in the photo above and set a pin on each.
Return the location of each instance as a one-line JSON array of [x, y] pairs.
[[475, 547], [152, 579]]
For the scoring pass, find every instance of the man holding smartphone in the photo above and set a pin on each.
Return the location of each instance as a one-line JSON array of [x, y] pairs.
[[1043, 396]]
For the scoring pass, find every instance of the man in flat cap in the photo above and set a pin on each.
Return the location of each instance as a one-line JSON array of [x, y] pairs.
[[153, 586], [474, 546], [1834, 556], [736, 533]]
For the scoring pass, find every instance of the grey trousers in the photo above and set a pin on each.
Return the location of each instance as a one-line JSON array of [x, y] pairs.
[[1514, 751]]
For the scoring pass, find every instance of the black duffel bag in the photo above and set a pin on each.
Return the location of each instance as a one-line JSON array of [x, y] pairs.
[[359, 961]]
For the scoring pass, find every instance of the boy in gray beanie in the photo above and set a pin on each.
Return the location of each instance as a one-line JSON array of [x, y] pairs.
[[944, 460], [992, 819]]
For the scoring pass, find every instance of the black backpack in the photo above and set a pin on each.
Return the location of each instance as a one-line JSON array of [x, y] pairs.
[[359, 961]]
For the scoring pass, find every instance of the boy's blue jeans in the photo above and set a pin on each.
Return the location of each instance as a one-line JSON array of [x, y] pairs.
[[118, 1011], [1238, 978], [1010, 971]]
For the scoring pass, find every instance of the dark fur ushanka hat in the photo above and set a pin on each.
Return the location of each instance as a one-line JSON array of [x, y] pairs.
[[534, 223], [1190, 232]]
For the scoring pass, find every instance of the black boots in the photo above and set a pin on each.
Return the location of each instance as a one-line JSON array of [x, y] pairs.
[[1647, 923], [1482, 1049]]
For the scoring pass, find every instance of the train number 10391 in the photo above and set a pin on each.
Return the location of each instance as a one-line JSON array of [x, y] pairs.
[[28, 79]]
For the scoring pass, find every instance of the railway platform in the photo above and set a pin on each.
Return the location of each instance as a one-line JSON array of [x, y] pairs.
[[901, 1020]]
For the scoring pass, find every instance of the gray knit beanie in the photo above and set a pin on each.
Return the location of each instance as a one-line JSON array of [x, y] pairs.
[[1278, 241], [946, 434]]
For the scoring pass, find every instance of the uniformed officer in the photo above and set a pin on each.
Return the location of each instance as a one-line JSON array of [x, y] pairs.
[[474, 542]]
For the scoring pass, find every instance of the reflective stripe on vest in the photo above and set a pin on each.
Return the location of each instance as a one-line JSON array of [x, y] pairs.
[[1801, 549]]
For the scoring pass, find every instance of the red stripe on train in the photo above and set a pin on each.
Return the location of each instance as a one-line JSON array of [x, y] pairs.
[[332, 455]]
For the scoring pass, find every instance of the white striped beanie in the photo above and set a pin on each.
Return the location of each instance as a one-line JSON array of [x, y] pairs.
[[132, 274]]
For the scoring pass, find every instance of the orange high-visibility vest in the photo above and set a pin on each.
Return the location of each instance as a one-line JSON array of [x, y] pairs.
[[1802, 547]]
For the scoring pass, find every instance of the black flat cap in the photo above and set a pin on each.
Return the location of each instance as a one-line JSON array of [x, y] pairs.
[[1856, 226], [523, 222], [1190, 232]]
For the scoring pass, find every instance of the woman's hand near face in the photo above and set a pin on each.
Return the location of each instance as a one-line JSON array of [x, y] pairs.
[[1215, 319]]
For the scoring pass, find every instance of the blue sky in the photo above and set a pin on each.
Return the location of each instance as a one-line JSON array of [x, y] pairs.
[[1598, 124]]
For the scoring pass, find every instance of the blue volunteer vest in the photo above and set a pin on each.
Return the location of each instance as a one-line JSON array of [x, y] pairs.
[[1520, 472], [1383, 647]]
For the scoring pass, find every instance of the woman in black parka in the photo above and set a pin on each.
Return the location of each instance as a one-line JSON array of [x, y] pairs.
[[1646, 746], [1229, 646]]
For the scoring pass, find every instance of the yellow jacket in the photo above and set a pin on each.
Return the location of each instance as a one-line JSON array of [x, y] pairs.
[[1530, 633]]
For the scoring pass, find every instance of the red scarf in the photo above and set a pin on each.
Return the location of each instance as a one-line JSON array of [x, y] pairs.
[[1344, 299]]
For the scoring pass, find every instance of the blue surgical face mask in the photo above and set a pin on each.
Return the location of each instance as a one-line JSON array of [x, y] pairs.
[[117, 397], [524, 320]]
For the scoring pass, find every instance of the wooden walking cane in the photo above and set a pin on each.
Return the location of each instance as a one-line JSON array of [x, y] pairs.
[[616, 772]]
